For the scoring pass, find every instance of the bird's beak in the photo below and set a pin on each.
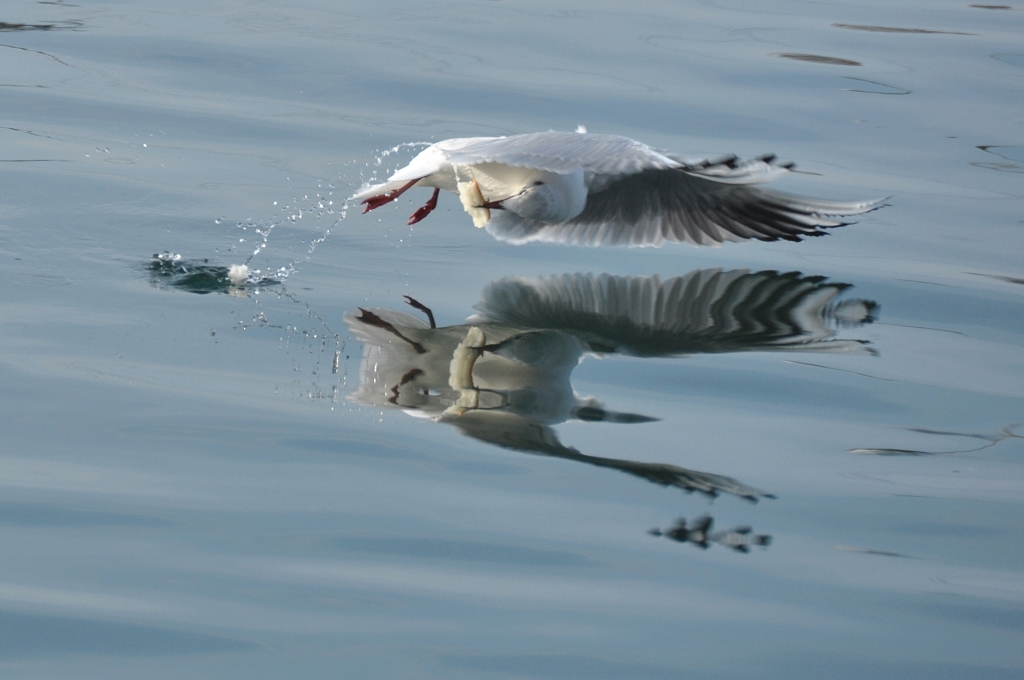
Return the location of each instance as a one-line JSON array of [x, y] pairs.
[[497, 205]]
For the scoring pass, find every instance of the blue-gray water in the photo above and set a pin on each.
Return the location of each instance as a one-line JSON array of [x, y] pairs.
[[189, 491]]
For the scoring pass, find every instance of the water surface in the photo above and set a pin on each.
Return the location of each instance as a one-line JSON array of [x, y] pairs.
[[189, 488]]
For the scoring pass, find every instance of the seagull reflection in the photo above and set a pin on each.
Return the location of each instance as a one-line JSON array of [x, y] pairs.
[[504, 376]]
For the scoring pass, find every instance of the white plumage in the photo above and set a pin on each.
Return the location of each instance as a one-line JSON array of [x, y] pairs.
[[590, 189]]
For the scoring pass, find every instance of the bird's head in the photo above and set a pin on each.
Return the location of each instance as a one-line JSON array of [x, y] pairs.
[[549, 197]]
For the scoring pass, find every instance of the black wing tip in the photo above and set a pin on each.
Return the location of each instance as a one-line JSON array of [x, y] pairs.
[[797, 237]]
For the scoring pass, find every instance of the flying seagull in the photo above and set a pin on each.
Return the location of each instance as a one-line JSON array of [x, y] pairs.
[[592, 189]]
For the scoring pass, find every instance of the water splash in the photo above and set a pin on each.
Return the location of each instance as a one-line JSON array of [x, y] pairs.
[[317, 351], [377, 164], [171, 270], [322, 205]]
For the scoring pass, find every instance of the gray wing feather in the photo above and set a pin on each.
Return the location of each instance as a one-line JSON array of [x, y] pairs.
[[560, 152], [655, 206]]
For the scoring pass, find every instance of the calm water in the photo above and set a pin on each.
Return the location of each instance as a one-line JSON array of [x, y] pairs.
[[201, 481]]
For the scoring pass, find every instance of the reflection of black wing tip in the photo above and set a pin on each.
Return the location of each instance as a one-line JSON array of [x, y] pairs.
[[699, 534], [595, 414]]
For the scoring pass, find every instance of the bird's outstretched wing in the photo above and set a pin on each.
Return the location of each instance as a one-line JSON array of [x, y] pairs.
[[705, 311], [560, 152], [693, 206]]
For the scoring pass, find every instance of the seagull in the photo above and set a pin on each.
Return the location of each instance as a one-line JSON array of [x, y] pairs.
[[596, 189]]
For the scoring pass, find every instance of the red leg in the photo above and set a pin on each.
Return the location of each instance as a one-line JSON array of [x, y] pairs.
[[374, 202], [425, 210]]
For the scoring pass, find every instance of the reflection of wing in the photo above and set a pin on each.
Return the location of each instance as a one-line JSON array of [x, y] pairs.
[[510, 431], [376, 335], [514, 432], [683, 206], [703, 311], [391, 358]]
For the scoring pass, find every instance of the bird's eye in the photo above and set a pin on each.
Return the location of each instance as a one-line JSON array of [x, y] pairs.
[[538, 183]]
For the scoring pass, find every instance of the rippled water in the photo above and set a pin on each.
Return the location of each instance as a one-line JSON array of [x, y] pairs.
[[206, 479]]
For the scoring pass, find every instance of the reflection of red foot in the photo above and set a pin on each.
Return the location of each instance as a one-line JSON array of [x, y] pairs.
[[422, 307], [425, 210], [374, 202]]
